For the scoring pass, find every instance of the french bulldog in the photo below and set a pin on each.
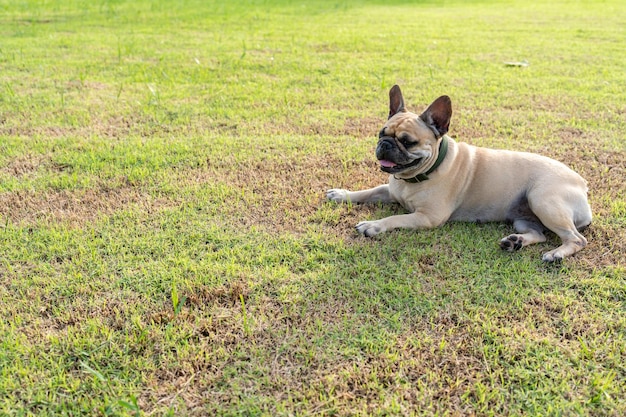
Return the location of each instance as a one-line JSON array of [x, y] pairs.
[[437, 180]]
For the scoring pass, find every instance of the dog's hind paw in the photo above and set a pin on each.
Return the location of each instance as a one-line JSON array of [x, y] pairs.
[[552, 256], [512, 243]]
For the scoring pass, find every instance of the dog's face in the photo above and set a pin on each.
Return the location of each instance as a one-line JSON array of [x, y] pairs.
[[408, 142]]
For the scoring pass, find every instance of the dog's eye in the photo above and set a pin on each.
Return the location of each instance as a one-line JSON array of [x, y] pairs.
[[406, 141], [381, 133]]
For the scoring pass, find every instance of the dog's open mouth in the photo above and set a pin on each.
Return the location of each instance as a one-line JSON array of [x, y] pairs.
[[393, 168]]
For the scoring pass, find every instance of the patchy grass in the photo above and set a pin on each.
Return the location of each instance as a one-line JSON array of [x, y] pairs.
[[165, 246]]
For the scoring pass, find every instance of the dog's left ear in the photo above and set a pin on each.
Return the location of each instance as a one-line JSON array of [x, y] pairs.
[[396, 101], [438, 115]]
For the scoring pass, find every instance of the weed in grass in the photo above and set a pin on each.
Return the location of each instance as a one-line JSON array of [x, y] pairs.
[[177, 303], [130, 406], [244, 314]]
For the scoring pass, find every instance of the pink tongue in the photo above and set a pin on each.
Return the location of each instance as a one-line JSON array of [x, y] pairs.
[[386, 164]]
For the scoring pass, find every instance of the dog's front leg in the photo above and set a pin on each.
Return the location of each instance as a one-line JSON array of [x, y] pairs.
[[378, 194], [408, 221]]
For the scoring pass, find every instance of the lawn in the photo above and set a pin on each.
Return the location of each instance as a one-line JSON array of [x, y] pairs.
[[165, 243]]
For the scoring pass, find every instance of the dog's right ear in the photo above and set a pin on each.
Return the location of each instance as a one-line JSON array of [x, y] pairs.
[[437, 115], [396, 101]]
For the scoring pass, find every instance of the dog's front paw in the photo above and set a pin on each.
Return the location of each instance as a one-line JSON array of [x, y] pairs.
[[337, 195], [370, 228]]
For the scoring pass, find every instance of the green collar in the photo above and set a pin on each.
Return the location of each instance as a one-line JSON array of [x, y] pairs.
[[443, 150]]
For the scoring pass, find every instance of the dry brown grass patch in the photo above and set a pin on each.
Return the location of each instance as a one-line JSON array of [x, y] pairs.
[[75, 207], [111, 126], [25, 164], [285, 195]]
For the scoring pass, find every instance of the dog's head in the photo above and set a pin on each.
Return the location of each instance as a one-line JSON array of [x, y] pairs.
[[408, 143]]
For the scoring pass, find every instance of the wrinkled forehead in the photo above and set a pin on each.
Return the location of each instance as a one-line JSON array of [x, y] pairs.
[[407, 123]]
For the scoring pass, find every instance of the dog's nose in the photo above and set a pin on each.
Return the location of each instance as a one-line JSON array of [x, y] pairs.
[[384, 148], [385, 144]]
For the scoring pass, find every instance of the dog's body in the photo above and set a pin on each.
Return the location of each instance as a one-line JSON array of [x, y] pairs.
[[468, 183]]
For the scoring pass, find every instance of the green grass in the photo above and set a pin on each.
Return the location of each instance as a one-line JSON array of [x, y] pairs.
[[165, 245]]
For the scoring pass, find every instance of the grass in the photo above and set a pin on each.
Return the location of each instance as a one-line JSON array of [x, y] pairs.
[[165, 246]]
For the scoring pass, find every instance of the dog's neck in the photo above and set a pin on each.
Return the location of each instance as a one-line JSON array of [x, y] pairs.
[[443, 150]]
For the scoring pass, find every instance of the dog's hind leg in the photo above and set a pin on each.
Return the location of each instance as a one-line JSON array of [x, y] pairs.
[[573, 241], [528, 232], [527, 225], [561, 216]]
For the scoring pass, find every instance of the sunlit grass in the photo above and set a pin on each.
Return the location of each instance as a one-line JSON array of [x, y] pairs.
[[165, 245]]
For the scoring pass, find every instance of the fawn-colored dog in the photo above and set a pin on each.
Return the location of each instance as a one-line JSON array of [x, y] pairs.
[[438, 179]]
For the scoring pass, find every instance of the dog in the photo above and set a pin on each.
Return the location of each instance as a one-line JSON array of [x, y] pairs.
[[437, 180]]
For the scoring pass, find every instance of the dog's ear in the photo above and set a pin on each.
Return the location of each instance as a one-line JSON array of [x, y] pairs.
[[438, 115], [396, 101]]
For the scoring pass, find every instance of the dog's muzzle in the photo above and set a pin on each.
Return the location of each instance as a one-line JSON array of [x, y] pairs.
[[391, 158], [387, 149]]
